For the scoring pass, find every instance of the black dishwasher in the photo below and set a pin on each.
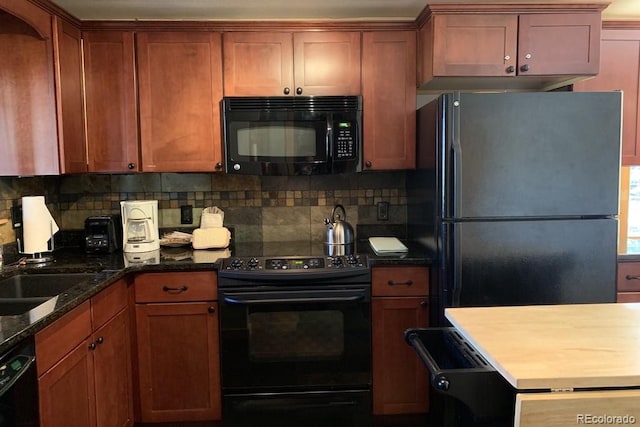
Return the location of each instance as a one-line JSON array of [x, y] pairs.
[[19, 386], [469, 391]]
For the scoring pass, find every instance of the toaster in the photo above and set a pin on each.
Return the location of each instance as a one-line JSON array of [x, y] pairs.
[[103, 234]]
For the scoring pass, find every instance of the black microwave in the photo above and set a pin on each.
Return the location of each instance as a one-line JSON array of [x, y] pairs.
[[286, 135]]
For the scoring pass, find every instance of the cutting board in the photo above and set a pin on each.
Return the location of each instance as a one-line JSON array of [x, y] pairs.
[[382, 245]]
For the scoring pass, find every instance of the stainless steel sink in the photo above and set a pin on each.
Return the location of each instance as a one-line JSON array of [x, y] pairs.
[[14, 307], [24, 292], [40, 285]]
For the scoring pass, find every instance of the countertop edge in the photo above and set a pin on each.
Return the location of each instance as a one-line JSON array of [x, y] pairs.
[[417, 255]]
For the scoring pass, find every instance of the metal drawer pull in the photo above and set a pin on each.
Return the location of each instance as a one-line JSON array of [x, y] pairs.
[[175, 290], [630, 277], [394, 283]]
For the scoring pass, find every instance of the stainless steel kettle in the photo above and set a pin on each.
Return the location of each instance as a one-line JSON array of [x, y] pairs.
[[339, 231]]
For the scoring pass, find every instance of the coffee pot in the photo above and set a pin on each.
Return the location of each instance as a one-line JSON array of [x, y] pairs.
[[339, 231], [140, 225]]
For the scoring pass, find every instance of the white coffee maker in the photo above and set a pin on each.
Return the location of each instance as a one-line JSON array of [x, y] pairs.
[[140, 226]]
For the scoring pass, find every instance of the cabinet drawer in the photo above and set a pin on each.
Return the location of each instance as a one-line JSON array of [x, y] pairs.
[[400, 281], [62, 336], [628, 276], [628, 297], [108, 303], [582, 407], [171, 287]]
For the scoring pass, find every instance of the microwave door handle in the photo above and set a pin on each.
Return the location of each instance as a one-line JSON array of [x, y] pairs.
[[328, 143]]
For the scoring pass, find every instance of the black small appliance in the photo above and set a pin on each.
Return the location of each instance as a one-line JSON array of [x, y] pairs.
[[301, 135], [103, 234]]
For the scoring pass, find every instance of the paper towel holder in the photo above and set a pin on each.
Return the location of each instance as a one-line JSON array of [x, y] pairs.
[[35, 257], [38, 257]]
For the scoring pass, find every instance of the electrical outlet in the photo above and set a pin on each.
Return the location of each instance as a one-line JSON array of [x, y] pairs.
[[383, 211], [186, 214]]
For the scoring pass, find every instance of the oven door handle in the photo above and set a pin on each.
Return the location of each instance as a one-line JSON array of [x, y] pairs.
[[256, 301]]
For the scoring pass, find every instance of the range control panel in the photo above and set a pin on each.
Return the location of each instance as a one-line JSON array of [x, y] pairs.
[[297, 264]]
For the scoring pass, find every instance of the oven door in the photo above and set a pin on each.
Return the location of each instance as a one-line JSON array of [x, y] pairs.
[[294, 338], [293, 142]]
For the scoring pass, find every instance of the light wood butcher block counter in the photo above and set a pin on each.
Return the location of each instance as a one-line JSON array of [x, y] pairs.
[[565, 349]]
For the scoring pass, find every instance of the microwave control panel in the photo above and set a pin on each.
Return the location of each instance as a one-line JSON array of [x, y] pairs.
[[345, 140]]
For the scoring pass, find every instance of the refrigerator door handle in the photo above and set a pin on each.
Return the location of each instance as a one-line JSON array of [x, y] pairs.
[[456, 157], [457, 266]]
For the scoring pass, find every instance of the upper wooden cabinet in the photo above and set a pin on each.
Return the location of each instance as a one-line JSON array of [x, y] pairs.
[[620, 70], [180, 89], [543, 47], [27, 95], [389, 98], [68, 62], [111, 107], [281, 63]]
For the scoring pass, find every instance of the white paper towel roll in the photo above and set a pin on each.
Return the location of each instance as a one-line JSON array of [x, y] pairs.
[[38, 226]]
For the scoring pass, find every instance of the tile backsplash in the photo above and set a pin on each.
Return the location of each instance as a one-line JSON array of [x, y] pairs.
[[257, 208]]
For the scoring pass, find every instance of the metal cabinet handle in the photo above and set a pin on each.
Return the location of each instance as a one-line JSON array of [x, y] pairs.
[[287, 91], [92, 346], [424, 304], [211, 309], [100, 340], [368, 164], [631, 277], [219, 166], [298, 91], [175, 290], [405, 283], [524, 67], [131, 166], [511, 69]]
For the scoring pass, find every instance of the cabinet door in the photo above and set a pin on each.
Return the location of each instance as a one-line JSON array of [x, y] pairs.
[[619, 70], [474, 45], [68, 61], [112, 126], [178, 356], [258, 64], [327, 63], [66, 391], [180, 87], [400, 380], [389, 98], [27, 95], [559, 44], [112, 363]]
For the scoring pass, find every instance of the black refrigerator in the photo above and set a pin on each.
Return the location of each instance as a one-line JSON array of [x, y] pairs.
[[525, 189]]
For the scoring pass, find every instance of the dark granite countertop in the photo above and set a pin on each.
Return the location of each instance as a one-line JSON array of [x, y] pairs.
[[108, 268], [629, 257]]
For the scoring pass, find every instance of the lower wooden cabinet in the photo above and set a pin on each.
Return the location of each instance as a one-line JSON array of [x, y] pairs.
[[628, 281], [400, 302], [66, 391], [177, 347], [84, 364]]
